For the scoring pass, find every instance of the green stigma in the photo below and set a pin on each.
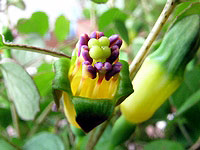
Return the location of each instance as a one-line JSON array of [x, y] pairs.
[[99, 48]]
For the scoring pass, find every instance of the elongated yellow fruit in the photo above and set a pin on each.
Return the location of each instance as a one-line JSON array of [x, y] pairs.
[[162, 72], [153, 85]]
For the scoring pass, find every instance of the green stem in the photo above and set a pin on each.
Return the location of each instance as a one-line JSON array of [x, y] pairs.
[[33, 49], [90, 141], [15, 119], [7, 53], [40, 119], [144, 50], [98, 135]]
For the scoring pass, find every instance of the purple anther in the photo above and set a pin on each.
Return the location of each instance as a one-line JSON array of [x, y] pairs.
[[92, 71], [54, 108], [119, 43], [114, 47], [113, 39], [96, 34], [86, 63], [84, 38], [85, 54], [107, 66], [98, 65], [114, 55], [85, 47], [115, 69]]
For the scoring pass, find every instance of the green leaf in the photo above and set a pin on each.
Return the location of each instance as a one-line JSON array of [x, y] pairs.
[[61, 81], [21, 89], [5, 117], [190, 102], [38, 23], [61, 29], [109, 16], [1, 41], [5, 145], [163, 145], [44, 78], [122, 30], [125, 87], [100, 1], [44, 141], [18, 3], [187, 9]]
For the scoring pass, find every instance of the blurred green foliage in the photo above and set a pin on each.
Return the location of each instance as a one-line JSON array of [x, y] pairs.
[[133, 20]]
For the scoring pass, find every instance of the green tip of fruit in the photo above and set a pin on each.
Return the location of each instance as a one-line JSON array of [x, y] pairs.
[[104, 41], [93, 42], [106, 51], [96, 52]]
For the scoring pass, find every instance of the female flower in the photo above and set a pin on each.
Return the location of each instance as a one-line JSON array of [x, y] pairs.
[[94, 81]]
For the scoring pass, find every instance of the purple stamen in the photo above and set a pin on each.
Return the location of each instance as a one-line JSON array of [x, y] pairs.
[[113, 39], [98, 65], [107, 66], [96, 34], [119, 43], [114, 47], [115, 69], [92, 71], [84, 38], [86, 63], [85, 54], [114, 55]]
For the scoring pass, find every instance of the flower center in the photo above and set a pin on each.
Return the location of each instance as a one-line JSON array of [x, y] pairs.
[[99, 49]]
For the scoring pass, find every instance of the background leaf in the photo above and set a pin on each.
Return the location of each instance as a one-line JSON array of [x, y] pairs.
[[18, 3], [107, 19], [21, 89], [5, 145], [122, 30], [100, 1], [38, 23], [163, 145], [44, 141], [61, 28]]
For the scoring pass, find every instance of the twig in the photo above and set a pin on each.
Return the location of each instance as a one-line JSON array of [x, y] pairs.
[[196, 145], [94, 139], [185, 133], [33, 49], [9, 142], [40, 119], [15, 119], [169, 6]]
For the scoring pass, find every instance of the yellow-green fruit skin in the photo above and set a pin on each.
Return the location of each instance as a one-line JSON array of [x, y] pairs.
[[152, 85]]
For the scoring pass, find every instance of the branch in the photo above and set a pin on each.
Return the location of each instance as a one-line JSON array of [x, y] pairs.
[[40, 119], [33, 49], [144, 50]]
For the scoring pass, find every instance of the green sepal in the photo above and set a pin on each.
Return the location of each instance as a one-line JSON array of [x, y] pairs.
[[92, 112], [125, 87], [61, 81], [121, 131]]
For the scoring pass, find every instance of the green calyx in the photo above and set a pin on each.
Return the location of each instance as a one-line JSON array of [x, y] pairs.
[[179, 45], [90, 112], [99, 48]]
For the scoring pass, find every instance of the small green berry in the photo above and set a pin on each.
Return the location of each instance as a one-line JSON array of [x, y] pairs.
[[96, 52], [104, 41], [106, 51], [93, 42]]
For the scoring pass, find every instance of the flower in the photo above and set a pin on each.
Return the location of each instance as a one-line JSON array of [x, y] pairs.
[[95, 81]]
